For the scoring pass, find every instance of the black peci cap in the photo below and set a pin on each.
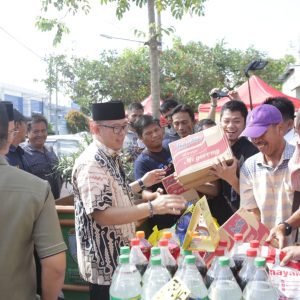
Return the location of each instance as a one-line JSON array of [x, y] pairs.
[[113, 110], [9, 109]]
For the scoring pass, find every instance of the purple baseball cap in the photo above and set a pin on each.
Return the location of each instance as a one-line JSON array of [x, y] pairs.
[[259, 119]]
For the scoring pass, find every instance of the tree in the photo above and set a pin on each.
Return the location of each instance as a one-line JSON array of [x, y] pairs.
[[76, 121], [178, 9]]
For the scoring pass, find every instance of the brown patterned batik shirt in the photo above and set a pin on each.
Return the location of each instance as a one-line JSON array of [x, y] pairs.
[[99, 183]]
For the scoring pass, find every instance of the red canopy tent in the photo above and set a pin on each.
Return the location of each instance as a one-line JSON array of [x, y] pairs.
[[260, 91]]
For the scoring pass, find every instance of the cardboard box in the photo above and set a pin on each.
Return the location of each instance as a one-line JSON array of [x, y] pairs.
[[173, 187], [243, 222], [195, 154]]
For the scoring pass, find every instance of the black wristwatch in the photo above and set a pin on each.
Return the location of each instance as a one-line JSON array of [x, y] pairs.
[[288, 228], [141, 184]]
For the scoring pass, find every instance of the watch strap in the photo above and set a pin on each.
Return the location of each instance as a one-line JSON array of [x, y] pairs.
[[288, 228]]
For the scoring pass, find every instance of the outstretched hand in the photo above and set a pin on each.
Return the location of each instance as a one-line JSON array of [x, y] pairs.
[[291, 252], [225, 172], [277, 236], [153, 177], [168, 204]]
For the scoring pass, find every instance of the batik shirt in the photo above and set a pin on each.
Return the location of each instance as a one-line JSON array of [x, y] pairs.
[[99, 183]]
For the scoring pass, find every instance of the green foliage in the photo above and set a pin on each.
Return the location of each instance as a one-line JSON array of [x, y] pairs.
[[50, 129], [76, 121]]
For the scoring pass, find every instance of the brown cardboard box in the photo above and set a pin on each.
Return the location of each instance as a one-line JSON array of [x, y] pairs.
[[195, 154], [173, 187]]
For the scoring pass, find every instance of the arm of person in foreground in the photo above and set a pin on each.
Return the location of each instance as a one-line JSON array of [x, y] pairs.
[[278, 232], [53, 274], [291, 253], [163, 204], [246, 193], [213, 105], [228, 173]]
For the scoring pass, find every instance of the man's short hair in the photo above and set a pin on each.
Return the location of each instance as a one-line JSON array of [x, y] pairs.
[[18, 117], [284, 105], [3, 125], [36, 118], [204, 122], [143, 122], [135, 106], [235, 105], [185, 109], [167, 105]]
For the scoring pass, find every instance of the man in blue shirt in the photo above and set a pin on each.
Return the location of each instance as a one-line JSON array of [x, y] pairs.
[[153, 157], [15, 156], [41, 161]]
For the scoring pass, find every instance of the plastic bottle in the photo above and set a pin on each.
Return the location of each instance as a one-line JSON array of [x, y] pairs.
[[173, 245], [214, 268], [166, 257], [224, 244], [254, 244], [126, 283], [155, 251], [124, 250], [260, 287], [144, 244], [236, 253], [192, 278], [248, 268], [157, 278], [224, 287], [137, 257]]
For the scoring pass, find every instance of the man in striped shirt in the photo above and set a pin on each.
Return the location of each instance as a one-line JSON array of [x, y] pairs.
[[265, 186]]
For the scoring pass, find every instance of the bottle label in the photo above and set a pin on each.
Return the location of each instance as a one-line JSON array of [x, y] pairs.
[[205, 298], [132, 298]]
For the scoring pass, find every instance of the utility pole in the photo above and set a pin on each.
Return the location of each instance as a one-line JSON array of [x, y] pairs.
[[56, 99]]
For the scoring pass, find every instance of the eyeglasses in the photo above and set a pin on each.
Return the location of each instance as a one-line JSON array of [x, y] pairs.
[[13, 132], [116, 129]]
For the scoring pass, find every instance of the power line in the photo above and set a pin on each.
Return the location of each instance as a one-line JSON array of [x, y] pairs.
[[22, 44]]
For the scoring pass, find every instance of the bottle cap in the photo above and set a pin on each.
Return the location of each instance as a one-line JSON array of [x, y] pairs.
[[186, 252], [167, 235], [222, 243], [219, 252], [190, 259], [134, 242], [155, 251], [163, 243], [124, 250], [238, 237], [251, 252], [140, 234], [155, 261], [260, 262], [254, 244], [124, 259], [223, 261]]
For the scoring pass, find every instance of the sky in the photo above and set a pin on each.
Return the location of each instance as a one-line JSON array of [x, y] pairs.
[[272, 26]]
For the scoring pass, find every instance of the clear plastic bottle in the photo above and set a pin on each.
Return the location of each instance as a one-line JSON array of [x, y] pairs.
[[236, 252], [166, 257], [214, 267], [192, 278], [260, 287], [126, 283], [174, 246], [200, 264], [137, 257], [155, 251], [248, 269], [224, 287], [224, 244], [157, 278], [124, 250], [144, 244]]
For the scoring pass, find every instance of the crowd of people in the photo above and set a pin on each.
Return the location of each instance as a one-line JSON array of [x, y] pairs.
[[264, 178]]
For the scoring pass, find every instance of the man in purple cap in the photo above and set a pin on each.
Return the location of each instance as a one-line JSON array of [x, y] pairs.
[[265, 186]]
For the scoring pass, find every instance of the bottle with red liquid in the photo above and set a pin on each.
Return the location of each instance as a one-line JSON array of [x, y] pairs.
[[166, 257], [248, 269], [236, 252], [144, 244], [136, 257], [174, 246]]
